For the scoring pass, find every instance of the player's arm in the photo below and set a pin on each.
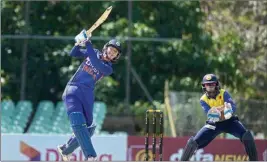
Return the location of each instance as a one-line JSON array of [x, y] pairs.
[[103, 68], [76, 51], [230, 106], [82, 39], [228, 99], [204, 106]]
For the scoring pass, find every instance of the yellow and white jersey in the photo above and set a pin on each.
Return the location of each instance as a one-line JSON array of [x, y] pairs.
[[223, 96]]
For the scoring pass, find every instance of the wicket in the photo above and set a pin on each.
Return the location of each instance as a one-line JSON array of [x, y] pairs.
[[154, 131]]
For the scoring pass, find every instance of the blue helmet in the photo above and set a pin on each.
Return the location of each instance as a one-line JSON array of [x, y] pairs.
[[116, 44], [210, 78]]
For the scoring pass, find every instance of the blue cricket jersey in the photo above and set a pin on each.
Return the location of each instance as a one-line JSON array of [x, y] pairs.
[[92, 68]]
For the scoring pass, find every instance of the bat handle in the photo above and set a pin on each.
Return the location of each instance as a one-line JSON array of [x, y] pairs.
[[88, 32]]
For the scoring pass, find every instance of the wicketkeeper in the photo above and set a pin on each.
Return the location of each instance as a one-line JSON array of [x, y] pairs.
[[220, 109], [79, 92]]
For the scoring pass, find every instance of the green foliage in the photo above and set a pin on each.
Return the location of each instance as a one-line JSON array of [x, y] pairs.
[[224, 39], [239, 30]]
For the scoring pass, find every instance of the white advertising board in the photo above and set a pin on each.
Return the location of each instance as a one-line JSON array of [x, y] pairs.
[[43, 147]]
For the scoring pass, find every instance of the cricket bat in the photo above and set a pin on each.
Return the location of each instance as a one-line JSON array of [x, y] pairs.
[[100, 20]]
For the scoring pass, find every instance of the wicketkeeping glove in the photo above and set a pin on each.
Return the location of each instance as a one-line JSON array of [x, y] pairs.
[[228, 111], [82, 37], [214, 115]]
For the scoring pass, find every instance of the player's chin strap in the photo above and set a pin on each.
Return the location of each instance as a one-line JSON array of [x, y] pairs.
[[114, 60], [250, 146], [212, 94]]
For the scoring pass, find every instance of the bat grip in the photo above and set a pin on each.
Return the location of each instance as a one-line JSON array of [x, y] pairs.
[[88, 32]]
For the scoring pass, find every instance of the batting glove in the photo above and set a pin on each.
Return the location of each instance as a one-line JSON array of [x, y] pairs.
[[214, 115], [228, 111], [82, 37]]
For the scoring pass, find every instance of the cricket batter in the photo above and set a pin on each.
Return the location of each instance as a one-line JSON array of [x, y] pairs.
[[79, 92], [220, 108]]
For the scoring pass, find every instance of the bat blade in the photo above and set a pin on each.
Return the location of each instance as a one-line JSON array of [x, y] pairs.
[[100, 20]]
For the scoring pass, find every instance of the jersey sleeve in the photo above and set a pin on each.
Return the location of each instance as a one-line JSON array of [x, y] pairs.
[[227, 98], [102, 67], [204, 106], [76, 51]]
